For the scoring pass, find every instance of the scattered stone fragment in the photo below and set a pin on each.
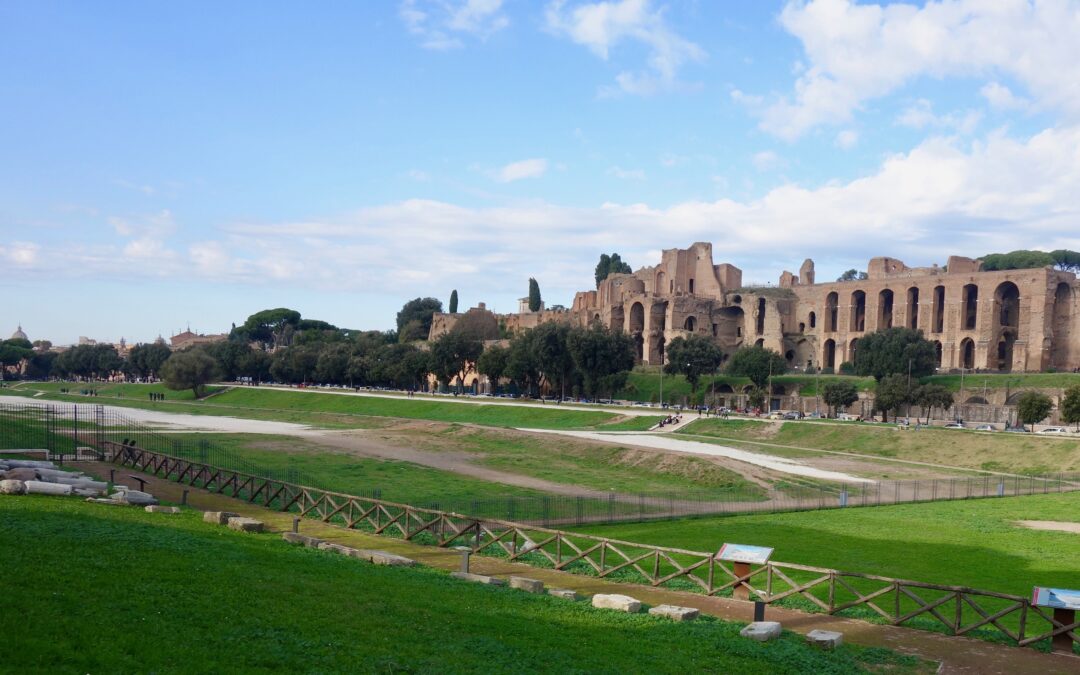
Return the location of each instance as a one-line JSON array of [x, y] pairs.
[[86, 492], [155, 508], [477, 578], [564, 593], [826, 639], [301, 539], [218, 517], [674, 612], [245, 524], [37, 487], [527, 585], [29, 464], [10, 486], [111, 502], [622, 603], [762, 631]]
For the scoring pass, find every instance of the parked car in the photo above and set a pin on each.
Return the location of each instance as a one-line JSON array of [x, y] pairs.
[[953, 425], [1053, 430], [985, 427], [793, 416], [777, 415], [1017, 430]]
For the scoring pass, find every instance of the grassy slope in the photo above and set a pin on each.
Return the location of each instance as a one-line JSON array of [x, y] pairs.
[[148, 593], [970, 543], [342, 410], [986, 451]]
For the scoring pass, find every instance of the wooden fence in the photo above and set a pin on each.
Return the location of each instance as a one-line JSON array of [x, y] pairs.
[[954, 610]]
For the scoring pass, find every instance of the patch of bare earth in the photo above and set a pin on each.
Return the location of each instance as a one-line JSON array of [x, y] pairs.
[[1051, 525]]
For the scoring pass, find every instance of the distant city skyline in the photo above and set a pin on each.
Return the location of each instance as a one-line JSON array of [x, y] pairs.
[[195, 163]]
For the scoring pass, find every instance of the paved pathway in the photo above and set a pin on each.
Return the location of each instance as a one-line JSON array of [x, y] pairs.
[[957, 655]]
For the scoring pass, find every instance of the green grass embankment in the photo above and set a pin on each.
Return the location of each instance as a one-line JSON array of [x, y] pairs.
[[104, 589]]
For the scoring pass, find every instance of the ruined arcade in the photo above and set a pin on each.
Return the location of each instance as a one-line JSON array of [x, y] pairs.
[[1001, 321]]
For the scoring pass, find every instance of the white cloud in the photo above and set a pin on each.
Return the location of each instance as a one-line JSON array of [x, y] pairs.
[[626, 174], [439, 23], [921, 116], [1001, 97], [947, 195], [766, 160], [847, 139], [526, 168], [602, 26], [858, 52], [418, 175]]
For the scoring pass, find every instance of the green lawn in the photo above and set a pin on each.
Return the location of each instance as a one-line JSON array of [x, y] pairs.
[[336, 410], [644, 384], [1020, 453], [970, 543], [104, 589], [974, 382]]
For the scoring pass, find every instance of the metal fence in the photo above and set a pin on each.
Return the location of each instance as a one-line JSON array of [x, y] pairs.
[[64, 429]]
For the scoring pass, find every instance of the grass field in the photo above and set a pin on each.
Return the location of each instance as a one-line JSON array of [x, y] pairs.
[[968, 543], [343, 410], [102, 589], [1020, 453]]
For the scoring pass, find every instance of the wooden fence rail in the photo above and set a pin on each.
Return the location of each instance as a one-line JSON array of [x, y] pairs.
[[954, 610]]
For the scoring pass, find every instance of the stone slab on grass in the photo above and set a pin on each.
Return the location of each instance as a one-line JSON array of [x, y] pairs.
[[219, 517], [134, 497], [12, 487], [826, 639], [762, 631], [157, 508], [21, 474], [301, 539], [390, 559], [241, 524], [478, 578], [564, 593], [110, 502], [339, 549], [527, 585], [674, 612], [621, 603]]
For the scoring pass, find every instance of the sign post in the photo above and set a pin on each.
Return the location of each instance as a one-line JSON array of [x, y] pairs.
[[741, 556], [1064, 602]]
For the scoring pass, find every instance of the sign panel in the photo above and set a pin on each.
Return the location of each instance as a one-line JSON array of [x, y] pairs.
[[1058, 598], [744, 553]]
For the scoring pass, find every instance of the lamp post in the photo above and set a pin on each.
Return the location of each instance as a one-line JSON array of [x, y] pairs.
[[661, 381]]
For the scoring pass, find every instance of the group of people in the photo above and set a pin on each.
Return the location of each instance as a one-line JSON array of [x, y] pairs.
[[670, 419]]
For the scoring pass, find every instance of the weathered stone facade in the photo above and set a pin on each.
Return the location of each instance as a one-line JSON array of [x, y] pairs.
[[1015, 320]]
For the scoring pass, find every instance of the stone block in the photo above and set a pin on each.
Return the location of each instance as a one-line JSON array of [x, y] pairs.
[[29, 464], [478, 578], [86, 492], [37, 487], [826, 639], [564, 593], [674, 612], [621, 603], [245, 524], [301, 539], [218, 517], [110, 502], [156, 508], [390, 559], [340, 549], [527, 585], [762, 631], [12, 487]]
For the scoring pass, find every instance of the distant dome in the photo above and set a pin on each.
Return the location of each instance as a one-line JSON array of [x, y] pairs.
[[19, 334]]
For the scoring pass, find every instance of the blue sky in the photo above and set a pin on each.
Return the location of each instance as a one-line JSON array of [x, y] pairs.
[[171, 163]]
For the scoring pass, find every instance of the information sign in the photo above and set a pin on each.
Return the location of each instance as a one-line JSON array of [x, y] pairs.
[[1058, 598], [744, 553]]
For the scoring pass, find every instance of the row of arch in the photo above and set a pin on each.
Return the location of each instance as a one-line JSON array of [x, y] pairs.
[[1006, 312]]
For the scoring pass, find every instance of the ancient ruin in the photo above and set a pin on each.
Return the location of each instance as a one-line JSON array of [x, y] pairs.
[[998, 321]]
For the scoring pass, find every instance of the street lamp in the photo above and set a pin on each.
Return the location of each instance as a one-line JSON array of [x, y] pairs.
[[661, 380]]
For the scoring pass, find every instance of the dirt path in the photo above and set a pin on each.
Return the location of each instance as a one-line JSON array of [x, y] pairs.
[[957, 655], [1051, 525], [662, 442]]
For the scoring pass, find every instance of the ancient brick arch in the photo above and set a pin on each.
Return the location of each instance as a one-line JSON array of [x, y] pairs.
[[913, 307], [885, 309], [1006, 324], [690, 324], [828, 359], [969, 313], [858, 311], [831, 312], [967, 353], [637, 318], [1062, 326]]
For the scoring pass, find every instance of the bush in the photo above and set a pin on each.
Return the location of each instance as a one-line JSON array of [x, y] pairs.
[[847, 368]]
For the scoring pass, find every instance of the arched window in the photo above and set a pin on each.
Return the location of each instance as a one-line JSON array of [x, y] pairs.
[[813, 320]]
